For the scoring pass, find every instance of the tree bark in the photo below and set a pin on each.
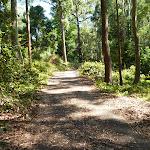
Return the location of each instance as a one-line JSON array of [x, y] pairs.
[[105, 44], [129, 9], [119, 47], [124, 18], [14, 33], [28, 31], [63, 33], [79, 41], [136, 41], [149, 30], [97, 45]]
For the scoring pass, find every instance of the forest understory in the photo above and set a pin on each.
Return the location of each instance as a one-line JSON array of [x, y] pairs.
[[105, 106], [71, 114]]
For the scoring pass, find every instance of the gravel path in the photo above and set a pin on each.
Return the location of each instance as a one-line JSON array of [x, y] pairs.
[[72, 115]]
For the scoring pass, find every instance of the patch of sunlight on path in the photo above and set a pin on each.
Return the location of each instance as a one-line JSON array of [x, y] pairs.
[[102, 111]]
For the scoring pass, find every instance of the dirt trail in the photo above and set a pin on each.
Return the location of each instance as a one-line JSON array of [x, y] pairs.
[[73, 115]]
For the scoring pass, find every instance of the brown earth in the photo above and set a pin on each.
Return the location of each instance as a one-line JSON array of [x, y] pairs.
[[71, 114]]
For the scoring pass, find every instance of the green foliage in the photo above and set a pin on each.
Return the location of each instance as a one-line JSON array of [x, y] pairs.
[[142, 89], [18, 83], [145, 61], [55, 59], [37, 21], [44, 69], [4, 127], [92, 69], [128, 89], [127, 50], [73, 65], [58, 64]]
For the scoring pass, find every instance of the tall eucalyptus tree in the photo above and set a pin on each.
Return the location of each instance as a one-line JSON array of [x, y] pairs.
[[119, 46], [96, 18], [81, 11], [14, 33], [62, 31], [28, 31], [105, 44], [136, 41], [62, 9]]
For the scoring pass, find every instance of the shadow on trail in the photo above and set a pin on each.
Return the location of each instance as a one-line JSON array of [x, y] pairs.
[[69, 118]]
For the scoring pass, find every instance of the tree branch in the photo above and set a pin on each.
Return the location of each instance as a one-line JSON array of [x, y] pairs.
[[84, 19], [74, 15]]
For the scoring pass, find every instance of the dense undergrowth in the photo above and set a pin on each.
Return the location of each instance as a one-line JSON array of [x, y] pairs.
[[19, 83], [142, 89]]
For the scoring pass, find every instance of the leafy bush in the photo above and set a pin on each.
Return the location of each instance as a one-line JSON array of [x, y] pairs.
[[92, 69], [18, 83], [145, 61], [55, 59], [59, 65], [141, 90], [43, 66], [44, 69]]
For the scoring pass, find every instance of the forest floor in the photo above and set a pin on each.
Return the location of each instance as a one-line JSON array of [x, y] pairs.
[[71, 114]]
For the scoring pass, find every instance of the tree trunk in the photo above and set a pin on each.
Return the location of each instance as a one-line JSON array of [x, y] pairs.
[[119, 47], [63, 33], [97, 45], [28, 31], [105, 44], [124, 18], [36, 37], [79, 42], [14, 33], [136, 41], [149, 30], [129, 9]]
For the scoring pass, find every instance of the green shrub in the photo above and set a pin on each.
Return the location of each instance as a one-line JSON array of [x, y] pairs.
[[43, 66], [55, 59], [128, 74], [141, 89], [18, 83], [145, 61], [92, 69]]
